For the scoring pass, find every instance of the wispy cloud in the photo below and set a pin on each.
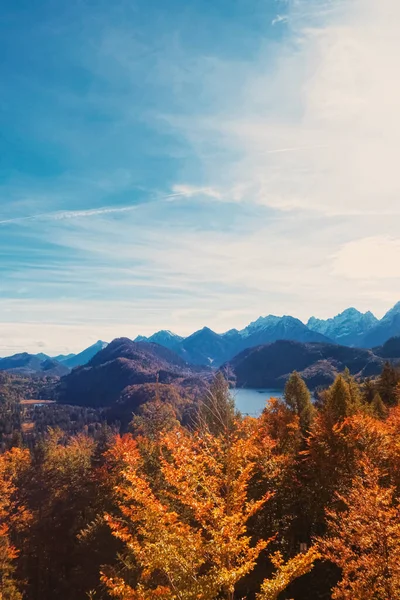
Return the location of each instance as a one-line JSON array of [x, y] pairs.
[[178, 192], [188, 191], [280, 19], [315, 126], [70, 214]]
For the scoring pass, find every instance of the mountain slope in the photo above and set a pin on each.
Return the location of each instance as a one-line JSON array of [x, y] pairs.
[[165, 338], [205, 347], [85, 356], [390, 349], [271, 328], [270, 365], [386, 328], [63, 357], [121, 364], [348, 328]]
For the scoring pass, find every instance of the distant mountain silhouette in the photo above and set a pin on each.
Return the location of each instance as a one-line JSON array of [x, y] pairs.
[[271, 328], [77, 360], [37, 364], [164, 338], [31, 364], [208, 348], [205, 347], [350, 328], [63, 357]]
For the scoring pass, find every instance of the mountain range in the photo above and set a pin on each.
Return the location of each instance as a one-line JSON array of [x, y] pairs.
[[205, 347], [42, 364], [31, 364], [350, 328]]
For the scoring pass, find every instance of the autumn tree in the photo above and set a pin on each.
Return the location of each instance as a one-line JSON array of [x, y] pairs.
[[333, 456], [397, 394], [286, 573], [154, 418], [283, 426], [189, 540], [216, 412], [327, 455], [387, 384], [364, 539], [13, 517], [338, 401], [298, 398], [284, 511], [368, 390], [63, 491], [378, 407]]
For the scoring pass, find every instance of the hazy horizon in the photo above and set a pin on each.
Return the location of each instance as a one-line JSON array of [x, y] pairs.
[[120, 333]]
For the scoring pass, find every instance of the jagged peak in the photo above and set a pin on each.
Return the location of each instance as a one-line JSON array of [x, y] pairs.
[[348, 312], [167, 333], [203, 331], [230, 332], [393, 311]]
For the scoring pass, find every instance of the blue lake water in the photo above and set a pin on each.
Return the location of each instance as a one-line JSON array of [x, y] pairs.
[[252, 401]]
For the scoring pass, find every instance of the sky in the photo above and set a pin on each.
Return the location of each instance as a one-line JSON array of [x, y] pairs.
[[170, 165]]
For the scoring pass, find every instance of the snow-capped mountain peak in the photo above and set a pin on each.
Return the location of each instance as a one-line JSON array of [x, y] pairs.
[[348, 327]]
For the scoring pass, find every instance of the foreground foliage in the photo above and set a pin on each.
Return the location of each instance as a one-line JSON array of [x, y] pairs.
[[301, 503]]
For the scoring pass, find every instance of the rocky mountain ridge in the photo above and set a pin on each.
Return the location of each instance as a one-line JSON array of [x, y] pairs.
[[350, 328]]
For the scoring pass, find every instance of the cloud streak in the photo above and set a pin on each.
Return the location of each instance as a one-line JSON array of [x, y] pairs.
[[180, 191], [69, 214]]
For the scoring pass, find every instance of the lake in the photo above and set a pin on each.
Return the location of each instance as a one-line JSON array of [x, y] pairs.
[[252, 401]]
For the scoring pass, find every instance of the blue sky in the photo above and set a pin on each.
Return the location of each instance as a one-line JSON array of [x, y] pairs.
[[182, 163]]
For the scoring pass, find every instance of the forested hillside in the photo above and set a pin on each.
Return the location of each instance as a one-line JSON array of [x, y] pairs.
[[301, 503], [319, 364]]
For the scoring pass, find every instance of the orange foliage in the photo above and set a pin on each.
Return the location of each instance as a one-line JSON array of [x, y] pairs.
[[282, 425], [189, 538], [364, 539], [11, 516]]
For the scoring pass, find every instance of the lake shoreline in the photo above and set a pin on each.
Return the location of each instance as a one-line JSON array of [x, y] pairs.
[[252, 401]]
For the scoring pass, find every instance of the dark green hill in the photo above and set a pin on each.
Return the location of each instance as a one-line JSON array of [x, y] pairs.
[[120, 365], [270, 365]]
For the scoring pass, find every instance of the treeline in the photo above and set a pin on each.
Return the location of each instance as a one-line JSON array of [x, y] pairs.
[[25, 420], [301, 503]]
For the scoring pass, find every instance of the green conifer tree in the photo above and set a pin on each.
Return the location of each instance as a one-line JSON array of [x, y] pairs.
[[298, 399], [378, 408], [368, 390], [387, 384], [338, 402]]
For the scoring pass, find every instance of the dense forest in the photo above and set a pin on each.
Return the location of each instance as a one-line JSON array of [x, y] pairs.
[[301, 503]]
